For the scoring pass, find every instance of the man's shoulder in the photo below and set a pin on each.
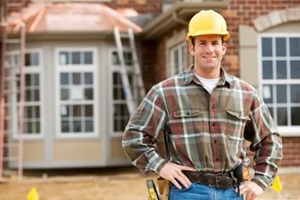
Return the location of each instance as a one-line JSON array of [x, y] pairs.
[[176, 80], [237, 82]]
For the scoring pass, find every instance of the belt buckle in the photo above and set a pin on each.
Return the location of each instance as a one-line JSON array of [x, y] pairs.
[[217, 179]]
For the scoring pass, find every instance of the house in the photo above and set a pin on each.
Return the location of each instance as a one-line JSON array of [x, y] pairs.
[[74, 110]]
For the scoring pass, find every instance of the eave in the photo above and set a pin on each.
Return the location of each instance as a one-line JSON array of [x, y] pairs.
[[178, 14]]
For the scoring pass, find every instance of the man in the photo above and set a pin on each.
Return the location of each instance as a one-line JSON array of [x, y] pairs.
[[206, 115]]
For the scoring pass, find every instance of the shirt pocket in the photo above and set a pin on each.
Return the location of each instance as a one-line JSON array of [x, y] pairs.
[[236, 122], [186, 121]]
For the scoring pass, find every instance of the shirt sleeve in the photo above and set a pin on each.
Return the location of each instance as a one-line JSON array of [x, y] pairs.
[[141, 134], [265, 142]]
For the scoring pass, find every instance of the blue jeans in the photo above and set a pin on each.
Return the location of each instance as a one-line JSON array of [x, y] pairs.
[[203, 192]]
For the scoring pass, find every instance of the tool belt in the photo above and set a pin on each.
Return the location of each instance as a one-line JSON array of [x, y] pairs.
[[218, 180]]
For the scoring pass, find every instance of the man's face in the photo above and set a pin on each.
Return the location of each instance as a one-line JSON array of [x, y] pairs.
[[208, 51]]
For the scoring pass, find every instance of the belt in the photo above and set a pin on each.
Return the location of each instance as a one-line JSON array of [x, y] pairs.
[[219, 180]]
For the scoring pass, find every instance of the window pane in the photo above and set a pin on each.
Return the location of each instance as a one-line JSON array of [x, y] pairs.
[[281, 91], [295, 69], [28, 95], [88, 93], [65, 127], [267, 70], [37, 111], [64, 58], [76, 58], [36, 79], [88, 110], [266, 47], [77, 111], [35, 59], [64, 79], [77, 126], [76, 78], [282, 116], [176, 61], [88, 57], [88, 78], [64, 111], [295, 116], [295, 46], [27, 59], [89, 126], [281, 70], [280, 47], [64, 94], [29, 127], [27, 80], [295, 93], [36, 96], [115, 58], [127, 58], [268, 93], [37, 127]]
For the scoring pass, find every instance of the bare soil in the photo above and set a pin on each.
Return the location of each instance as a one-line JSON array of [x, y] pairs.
[[123, 183]]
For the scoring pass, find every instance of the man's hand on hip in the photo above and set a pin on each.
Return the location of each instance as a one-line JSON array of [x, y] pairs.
[[251, 189], [173, 173]]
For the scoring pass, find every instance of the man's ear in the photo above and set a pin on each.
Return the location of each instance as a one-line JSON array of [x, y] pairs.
[[224, 48], [192, 49]]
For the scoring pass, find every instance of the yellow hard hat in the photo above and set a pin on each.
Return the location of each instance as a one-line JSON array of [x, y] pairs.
[[207, 22]]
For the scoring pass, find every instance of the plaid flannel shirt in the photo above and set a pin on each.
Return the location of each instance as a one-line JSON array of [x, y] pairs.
[[207, 131]]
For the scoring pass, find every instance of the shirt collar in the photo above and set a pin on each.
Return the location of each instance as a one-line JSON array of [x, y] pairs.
[[190, 76]]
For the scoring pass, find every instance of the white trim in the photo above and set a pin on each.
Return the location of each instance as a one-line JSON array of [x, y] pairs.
[[112, 69], [93, 68], [293, 131], [38, 69], [181, 58], [290, 131]]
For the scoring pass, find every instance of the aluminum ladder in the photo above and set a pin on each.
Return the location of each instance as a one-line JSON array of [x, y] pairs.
[[131, 101]]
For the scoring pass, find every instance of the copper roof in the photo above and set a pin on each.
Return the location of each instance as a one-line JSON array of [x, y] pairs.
[[75, 17]]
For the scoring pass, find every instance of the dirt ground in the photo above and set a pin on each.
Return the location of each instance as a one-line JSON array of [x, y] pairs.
[[123, 183]]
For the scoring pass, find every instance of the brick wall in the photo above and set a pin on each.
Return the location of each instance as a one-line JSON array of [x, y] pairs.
[[141, 6], [291, 154], [243, 12]]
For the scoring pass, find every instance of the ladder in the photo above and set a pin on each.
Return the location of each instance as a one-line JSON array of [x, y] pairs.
[[131, 101], [12, 90]]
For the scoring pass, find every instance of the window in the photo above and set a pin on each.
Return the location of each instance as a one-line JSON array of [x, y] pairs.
[[32, 93], [77, 100], [280, 78], [178, 58], [120, 114]]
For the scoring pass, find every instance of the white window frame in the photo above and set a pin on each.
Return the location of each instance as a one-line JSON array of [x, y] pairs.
[[181, 59], [284, 130], [113, 69], [81, 69], [37, 69]]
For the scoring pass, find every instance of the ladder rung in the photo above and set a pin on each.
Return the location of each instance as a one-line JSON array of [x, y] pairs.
[[124, 35], [12, 41]]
